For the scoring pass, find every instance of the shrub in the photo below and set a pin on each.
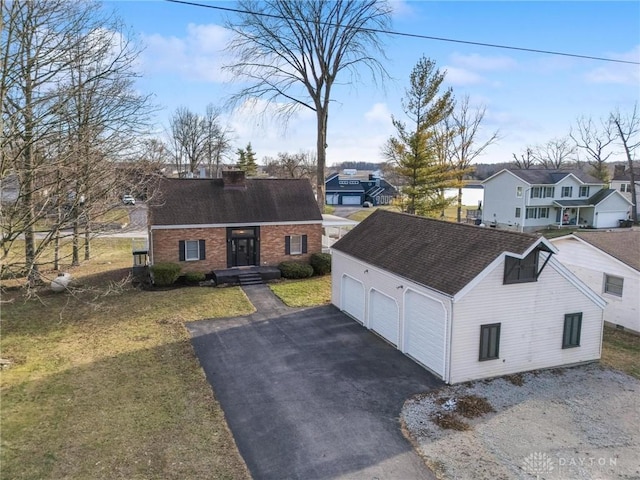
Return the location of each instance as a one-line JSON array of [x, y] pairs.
[[165, 274], [194, 277], [321, 263], [295, 269]]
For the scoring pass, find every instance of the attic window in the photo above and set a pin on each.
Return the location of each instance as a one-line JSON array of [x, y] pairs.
[[523, 270]]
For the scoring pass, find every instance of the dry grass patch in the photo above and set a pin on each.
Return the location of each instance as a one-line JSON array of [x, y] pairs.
[[449, 421], [105, 384], [304, 293], [621, 350]]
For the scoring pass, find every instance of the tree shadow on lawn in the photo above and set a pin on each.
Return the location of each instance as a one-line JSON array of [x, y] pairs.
[[145, 413]]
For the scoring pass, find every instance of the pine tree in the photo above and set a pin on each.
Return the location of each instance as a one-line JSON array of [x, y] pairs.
[[247, 161], [415, 150]]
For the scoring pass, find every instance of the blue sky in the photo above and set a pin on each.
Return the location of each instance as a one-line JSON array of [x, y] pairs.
[[530, 98]]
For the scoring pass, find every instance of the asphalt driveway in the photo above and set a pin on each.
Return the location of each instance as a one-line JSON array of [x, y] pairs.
[[310, 394]]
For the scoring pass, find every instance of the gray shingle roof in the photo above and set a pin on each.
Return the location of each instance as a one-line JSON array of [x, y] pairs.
[[623, 245], [595, 199], [441, 255], [551, 177], [206, 201]]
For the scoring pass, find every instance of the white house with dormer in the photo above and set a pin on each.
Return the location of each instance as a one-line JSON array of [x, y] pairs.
[[534, 199]]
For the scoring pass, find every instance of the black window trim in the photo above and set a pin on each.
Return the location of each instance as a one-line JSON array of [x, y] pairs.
[[571, 342], [489, 326]]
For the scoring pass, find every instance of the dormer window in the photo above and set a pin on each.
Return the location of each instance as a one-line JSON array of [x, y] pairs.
[[523, 270]]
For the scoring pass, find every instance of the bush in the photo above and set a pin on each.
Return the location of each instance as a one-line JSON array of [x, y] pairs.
[[194, 277], [165, 274], [295, 270], [321, 263]]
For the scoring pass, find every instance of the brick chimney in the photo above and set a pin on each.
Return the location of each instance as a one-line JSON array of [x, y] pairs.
[[233, 179]]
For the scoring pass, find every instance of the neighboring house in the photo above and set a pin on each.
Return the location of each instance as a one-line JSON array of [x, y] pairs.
[[622, 181], [353, 190], [230, 222], [609, 262], [535, 199], [466, 302]]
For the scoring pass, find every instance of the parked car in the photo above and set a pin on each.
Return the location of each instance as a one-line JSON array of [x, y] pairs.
[[128, 200]]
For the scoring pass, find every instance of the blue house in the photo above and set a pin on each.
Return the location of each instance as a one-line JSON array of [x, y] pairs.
[[355, 190]]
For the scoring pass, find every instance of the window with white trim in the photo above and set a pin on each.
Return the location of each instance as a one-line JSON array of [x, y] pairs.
[[613, 285], [567, 191], [536, 192], [518, 212], [549, 192], [191, 250], [584, 191], [295, 247], [519, 192]]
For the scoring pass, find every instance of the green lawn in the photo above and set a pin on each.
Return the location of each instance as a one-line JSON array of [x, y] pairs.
[[304, 293], [621, 350], [104, 383]]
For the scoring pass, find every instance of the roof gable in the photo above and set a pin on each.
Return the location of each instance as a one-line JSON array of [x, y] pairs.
[[207, 201], [441, 255], [540, 176]]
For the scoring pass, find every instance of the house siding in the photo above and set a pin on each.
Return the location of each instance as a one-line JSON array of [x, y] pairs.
[[164, 245], [590, 265], [500, 200], [532, 320]]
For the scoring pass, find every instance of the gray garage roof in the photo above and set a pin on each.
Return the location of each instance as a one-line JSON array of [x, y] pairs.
[[621, 244], [208, 201], [441, 255]]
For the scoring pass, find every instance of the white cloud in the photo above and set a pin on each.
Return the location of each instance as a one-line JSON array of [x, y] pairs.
[[197, 56], [462, 76], [618, 73], [483, 63], [378, 113]]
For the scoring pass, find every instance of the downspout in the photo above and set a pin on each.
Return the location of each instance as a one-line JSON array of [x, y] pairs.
[[447, 380]]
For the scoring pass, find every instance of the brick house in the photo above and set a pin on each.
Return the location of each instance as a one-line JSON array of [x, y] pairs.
[[233, 222]]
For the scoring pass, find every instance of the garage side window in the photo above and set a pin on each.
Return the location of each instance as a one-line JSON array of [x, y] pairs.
[[191, 250], [572, 327], [489, 341], [295, 244], [613, 285]]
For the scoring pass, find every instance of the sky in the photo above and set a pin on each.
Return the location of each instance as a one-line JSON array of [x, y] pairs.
[[530, 98]]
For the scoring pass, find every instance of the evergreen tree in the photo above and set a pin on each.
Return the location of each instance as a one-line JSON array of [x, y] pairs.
[[247, 161], [415, 149]]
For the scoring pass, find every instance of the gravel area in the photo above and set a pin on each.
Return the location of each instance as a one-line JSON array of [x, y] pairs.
[[571, 423]]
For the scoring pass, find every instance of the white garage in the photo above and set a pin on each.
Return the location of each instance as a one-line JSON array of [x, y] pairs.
[[425, 330], [353, 298], [383, 316], [351, 200], [609, 219], [465, 302]]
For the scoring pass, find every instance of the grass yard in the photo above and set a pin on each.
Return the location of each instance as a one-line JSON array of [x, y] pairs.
[[621, 350], [105, 384], [304, 293]]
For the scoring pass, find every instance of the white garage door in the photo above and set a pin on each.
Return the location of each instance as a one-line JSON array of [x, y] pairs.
[[609, 219], [351, 200], [383, 316], [425, 324], [333, 199], [353, 298]]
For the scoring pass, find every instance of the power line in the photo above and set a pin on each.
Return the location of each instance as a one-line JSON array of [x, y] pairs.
[[415, 35]]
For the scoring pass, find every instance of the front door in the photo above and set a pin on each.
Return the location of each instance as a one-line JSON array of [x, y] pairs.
[[243, 246], [243, 252]]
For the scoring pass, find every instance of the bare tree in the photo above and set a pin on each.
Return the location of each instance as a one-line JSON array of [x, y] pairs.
[[188, 137], [465, 145], [292, 52], [68, 111], [291, 165], [525, 161], [595, 141], [217, 140], [628, 131], [554, 154]]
